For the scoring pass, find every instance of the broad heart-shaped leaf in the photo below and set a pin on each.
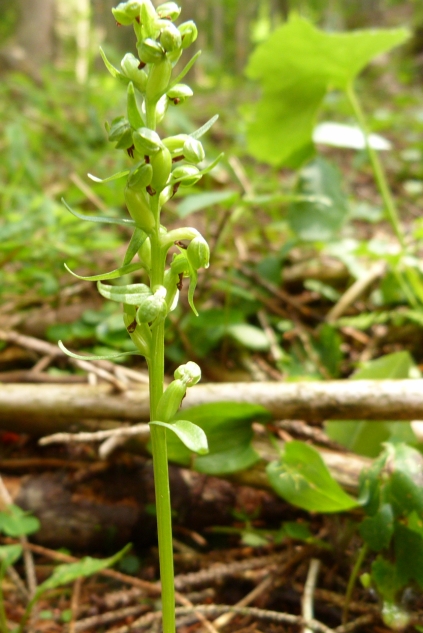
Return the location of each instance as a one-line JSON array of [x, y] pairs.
[[113, 274], [227, 426], [64, 574], [408, 555], [366, 437], [302, 478], [315, 221], [378, 529], [190, 435], [16, 522], [9, 554], [296, 66]]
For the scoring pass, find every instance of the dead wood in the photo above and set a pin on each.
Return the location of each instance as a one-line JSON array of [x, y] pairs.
[[105, 508], [43, 409]]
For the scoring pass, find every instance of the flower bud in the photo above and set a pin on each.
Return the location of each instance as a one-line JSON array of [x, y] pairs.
[[190, 373], [198, 253], [130, 69], [162, 165], [119, 127], [170, 38], [139, 209], [168, 11], [140, 177], [189, 32], [158, 79], [175, 144], [126, 12], [171, 400], [188, 175], [193, 150], [146, 141], [154, 307], [179, 93], [150, 51]]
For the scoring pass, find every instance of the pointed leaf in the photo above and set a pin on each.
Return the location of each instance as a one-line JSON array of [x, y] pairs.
[[119, 174], [105, 357], [184, 71], [67, 573], [193, 278], [191, 435], [113, 274], [137, 240], [96, 218], [303, 479], [204, 128]]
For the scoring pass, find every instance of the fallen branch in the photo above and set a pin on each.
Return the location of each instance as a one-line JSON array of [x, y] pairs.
[[44, 409]]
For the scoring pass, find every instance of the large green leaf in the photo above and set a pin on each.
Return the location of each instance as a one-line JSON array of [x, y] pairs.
[[295, 67], [365, 437], [302, 478], [314, 220], [378, 529], [190, 434], [16, 522], [227, 426]]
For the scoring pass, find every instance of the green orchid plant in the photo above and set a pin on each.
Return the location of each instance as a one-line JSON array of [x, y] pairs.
[[159, 166]]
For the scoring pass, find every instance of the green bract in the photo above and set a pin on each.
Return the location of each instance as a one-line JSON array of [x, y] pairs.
[[170, 38], [150, 51]]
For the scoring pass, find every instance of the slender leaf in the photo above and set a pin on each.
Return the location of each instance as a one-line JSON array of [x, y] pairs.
[[96, 218], [113, 274]]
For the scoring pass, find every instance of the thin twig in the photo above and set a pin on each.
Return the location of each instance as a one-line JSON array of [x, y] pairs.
[[216, 609], [76, 593], [142, 429], [355, 291], [308, 596], [263, 586]]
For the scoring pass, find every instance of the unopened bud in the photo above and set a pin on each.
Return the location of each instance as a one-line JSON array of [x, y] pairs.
[[168, 11], [162, 164], [198, 253], [170, 38], [193, 150], [146, 141], [140, 177], [139, 209], [130, 68], [179, 93], [126, 12], [189, 32], [158, 79], [187, 175], [154, 307], [190, 373], [150, 51]]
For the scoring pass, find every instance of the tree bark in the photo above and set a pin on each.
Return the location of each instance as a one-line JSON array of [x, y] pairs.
[[40, 409]]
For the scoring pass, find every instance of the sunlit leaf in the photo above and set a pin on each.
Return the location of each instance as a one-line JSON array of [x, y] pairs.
[[113, 274], [303, 479], [191, 435], [296, 66]]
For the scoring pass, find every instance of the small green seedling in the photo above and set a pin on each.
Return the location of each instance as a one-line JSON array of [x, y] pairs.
[[15, 522], [158, 166]]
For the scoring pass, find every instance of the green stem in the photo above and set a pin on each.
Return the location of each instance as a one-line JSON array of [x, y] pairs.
[[377, 167], [352, 580], [158, 440]]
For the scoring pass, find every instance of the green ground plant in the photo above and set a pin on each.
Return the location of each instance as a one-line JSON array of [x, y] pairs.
[[159, 166]]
